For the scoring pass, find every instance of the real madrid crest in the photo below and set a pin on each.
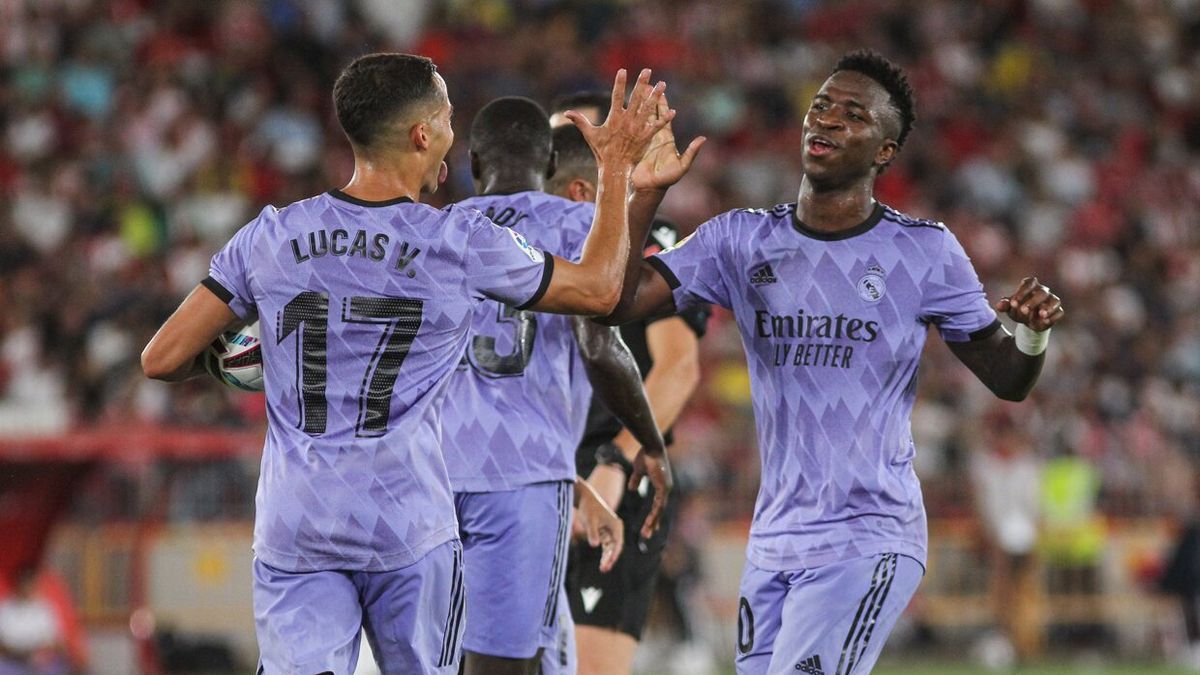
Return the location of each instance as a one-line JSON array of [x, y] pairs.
[[871, 286]]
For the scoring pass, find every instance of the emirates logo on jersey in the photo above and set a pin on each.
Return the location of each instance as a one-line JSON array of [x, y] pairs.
[[871, 287]]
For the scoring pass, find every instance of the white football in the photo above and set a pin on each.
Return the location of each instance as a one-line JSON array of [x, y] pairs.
[[235, 358]]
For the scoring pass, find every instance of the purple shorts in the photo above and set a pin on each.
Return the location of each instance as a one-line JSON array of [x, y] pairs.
[[515, 556], [310, 622], [828, 620], [561, 659]]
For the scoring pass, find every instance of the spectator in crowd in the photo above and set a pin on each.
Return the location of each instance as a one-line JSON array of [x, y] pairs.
[[1057, 135], [31, 640]]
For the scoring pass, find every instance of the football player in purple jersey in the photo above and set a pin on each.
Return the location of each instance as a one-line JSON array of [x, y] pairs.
[[365, 299], [834, 296], [516, 406], [610, 610]]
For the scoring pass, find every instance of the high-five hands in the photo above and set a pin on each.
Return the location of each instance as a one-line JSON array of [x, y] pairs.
[[1032, 304], [623, 139], [663, 166]]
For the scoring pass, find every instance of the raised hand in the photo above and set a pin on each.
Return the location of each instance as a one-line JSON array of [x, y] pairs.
[[1033, 305], [657, 468], [622, 140], [663, 166], [603, 528]]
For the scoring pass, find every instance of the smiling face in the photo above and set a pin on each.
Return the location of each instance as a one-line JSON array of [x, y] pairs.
[[849, 131]]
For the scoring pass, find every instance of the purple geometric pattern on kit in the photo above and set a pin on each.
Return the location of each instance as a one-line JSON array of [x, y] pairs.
[[516, 406], [367, 489], [833, 343]]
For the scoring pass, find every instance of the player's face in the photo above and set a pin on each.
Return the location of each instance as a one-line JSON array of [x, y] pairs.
[[441, 135], [845, 129]]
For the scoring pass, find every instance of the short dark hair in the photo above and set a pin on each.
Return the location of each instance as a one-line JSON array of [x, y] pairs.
[[891, 78], [583, 99], [512, 132], [574, 157], [374, 89]]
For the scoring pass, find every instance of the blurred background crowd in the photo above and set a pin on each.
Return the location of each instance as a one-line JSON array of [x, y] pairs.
[[1055, 137]]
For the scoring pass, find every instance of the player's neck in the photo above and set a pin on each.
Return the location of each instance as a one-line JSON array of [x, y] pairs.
[[377, 180], [508, 183], [834, 209]]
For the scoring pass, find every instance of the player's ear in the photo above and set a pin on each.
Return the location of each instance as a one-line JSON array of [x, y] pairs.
[[552, 167], [580, 190], [418, 134], [886, 153], [476, 168]]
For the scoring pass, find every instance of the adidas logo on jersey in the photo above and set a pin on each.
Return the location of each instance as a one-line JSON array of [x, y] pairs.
[[763, 275], [811, 665], [590, 596]]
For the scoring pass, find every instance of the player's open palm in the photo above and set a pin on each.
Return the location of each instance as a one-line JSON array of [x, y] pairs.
[[657, 468], [663, 166], [603, 528], [1033, 305], [626, 133]]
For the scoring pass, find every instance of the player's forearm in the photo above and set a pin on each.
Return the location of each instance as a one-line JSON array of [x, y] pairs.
[[606, 249], [1013, 373], [609, 482], [640, 303], [669, 385], [618, 382], [170, 362], [1003, 368], [643, 205]]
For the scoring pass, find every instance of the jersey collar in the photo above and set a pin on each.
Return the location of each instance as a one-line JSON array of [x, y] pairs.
[[338, 194], [865, 226]]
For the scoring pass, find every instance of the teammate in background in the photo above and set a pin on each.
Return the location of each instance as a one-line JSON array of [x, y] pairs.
[[366, 298], [517, 404], [610, 609], [834, 296], [590, 104]]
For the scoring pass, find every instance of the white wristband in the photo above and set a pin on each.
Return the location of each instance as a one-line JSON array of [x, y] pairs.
[[1030, 341]]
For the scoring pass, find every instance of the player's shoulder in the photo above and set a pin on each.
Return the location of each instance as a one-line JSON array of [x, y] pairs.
[[467, 212], [751, 224], [769, 217], [909, 222]]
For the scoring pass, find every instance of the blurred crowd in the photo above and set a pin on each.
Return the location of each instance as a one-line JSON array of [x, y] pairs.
[[1055, 137]]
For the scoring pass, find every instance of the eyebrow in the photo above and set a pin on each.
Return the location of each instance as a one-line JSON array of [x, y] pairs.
[[849, 102]]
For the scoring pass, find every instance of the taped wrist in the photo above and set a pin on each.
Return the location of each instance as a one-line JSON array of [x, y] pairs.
[[1031, 342]]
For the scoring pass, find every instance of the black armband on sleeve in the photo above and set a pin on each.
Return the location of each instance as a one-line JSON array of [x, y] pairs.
[[225, 295]]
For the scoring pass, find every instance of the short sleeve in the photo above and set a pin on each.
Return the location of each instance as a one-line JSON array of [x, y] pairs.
[[502, 265], [954, 300], [693, 267], [229, 270], [664, 235]]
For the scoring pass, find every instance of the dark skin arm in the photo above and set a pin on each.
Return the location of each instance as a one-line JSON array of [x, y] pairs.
[[1008, 372], [661, 167], [646, 295], [615, 377]]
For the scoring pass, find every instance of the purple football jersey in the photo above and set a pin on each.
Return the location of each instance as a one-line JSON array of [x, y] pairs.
[[516, 406], [833, 325], [364, 310]]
